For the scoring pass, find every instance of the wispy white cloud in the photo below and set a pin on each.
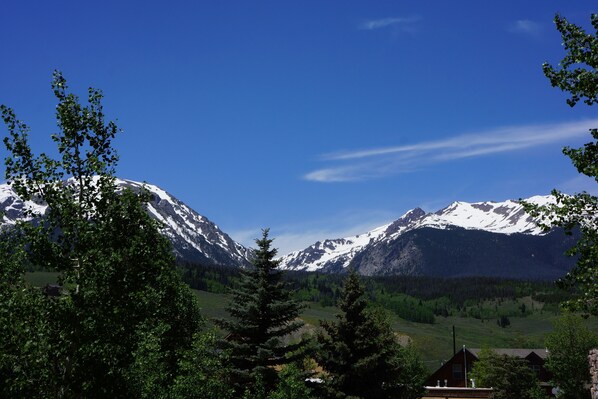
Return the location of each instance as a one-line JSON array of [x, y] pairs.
[[525, 26], [293, 237], [379, 162], [246, 237], [578, 184], [405, 23]]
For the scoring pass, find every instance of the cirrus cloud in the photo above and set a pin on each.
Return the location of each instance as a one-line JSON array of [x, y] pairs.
[[373, 163], [404, 22], [525, 26]]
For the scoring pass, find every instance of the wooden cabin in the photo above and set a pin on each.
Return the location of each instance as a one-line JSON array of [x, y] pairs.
[[454, 372]]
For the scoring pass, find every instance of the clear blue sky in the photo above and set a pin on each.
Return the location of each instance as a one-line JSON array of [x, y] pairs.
[[318, 119]]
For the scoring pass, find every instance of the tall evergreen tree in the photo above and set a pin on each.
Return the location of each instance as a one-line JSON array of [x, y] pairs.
[[360, 353], [262, 315]]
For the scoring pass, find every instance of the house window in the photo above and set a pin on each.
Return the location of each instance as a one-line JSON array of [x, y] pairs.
[[535, 368], [457, 371]]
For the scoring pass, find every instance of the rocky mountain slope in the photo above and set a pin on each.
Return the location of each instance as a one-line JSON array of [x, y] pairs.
[[463, 239], [194, 237]]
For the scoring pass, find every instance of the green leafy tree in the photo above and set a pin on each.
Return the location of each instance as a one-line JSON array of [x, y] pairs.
[[292, 384], [485, 368], [263, 315], [203, 371], [568, 346], [360, 353], [413, 373], [511, 377], [577, 75], [124, 308], [24, 347]]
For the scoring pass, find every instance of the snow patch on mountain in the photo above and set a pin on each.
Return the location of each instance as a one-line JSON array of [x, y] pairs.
[[12, 208], [192, 234], [194, 237], [341, 250], [507, 217]]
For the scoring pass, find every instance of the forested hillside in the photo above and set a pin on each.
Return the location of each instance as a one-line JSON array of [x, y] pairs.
[[417, 299]]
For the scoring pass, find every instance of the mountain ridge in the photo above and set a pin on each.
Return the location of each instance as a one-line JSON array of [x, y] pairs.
[[194, 237], [396, 243], [461, 239]]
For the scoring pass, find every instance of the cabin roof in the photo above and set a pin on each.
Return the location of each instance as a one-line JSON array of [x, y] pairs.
[[520, 353]]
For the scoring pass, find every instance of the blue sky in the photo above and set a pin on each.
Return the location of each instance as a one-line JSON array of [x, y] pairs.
[[318, 119]]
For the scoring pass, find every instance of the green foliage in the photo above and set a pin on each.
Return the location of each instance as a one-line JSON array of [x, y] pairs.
[[568, 347], [147, 373], [407, 307], [211, 278], [577, 75], [360, 352], [577, 212], [418, 299], [413, 373], [262, 315], [484, 369], [511, 377], [203, 371], [24, 347], [292, 384], [503, 321], [124, 315]]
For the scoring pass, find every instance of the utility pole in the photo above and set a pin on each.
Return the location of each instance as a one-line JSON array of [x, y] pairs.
[[465, 365], [454, 342]]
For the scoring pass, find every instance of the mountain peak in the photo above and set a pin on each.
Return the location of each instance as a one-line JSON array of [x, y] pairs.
[[457, 237], [506, 217], [405, 221], [194, 237]]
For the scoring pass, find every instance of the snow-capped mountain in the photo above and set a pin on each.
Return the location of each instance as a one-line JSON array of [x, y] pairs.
[[461, 239], [194, 237]]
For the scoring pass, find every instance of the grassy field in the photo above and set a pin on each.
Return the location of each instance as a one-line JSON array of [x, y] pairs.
[[40, 279], [434, 341]]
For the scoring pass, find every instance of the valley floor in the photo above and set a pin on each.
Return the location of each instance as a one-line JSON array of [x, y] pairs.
[[433, 341]]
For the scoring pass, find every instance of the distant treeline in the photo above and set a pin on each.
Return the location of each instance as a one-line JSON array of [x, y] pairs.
[[414, 298]]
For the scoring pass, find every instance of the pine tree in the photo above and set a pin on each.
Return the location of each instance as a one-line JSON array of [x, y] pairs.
[[262, 314], [359, 352]]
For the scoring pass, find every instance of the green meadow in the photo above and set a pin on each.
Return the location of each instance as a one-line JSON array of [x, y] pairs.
[[433, 341]]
